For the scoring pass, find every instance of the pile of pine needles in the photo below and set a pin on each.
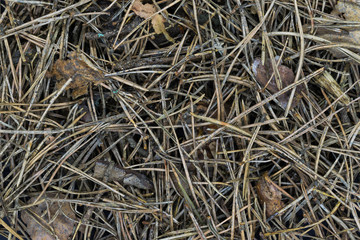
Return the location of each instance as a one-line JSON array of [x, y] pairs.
[[176, 102]]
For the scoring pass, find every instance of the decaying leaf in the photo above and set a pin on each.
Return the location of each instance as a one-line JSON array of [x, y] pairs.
[[143, 10], [157, 21], [81, 73], [350, 10], [117, 173], [327, 82], [340, 38], [85, 109], [49, 220], [269, 195], [343, 34], [263, 73]]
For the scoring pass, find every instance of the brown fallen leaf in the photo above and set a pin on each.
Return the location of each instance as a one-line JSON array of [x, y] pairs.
[[82, 75], [49, 221], [157, 21], [342, 34], [117, 173], [143, 10], [269, 195], [350, 10], [263, 73], [337, 36]]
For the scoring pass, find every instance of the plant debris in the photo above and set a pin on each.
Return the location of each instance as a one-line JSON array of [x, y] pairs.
[[82, 76], [125, 176], [269, 195], [264, 75], [49, 220], [342, 34], [148, 10], [327, 82], [158, 138], [350, 10]]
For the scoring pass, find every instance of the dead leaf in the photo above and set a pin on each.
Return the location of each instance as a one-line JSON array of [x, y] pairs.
[[263, 73], [339, 36], [143, 10], [82, 76], [269, 195], [117, 173], [49, 221], [157, 21], [344, 34], [350, 10], [85, 109]]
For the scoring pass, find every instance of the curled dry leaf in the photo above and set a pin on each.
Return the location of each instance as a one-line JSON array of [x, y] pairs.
[[269, 195], [263, 73], [157, 21], [117, 173], [82, 76], [51, 221]]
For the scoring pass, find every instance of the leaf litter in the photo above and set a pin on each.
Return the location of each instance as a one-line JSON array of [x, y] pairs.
[[265, 75], [125, 176], [148, 10], [81, 73], [186, 132], [341, 32], [269, 195], [49, 220]]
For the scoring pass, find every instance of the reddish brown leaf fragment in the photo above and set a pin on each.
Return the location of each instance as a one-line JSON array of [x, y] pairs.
[[79, 71], [263, 73], [269, 195], [56, 215]]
